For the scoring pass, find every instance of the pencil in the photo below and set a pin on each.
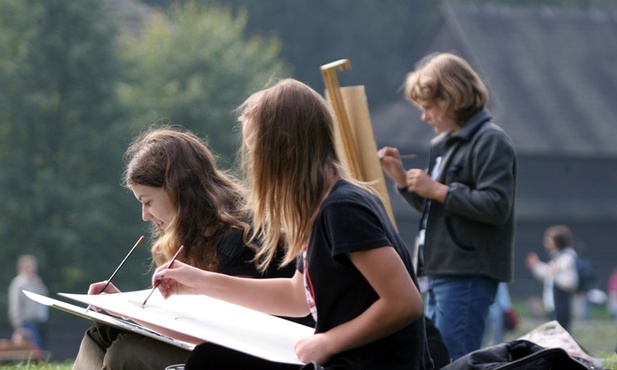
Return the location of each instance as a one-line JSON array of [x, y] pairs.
[[403, 156], [173, 259], [118, 268]]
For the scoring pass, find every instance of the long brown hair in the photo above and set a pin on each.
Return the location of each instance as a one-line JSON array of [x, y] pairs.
[[207, 200], [290, 162]]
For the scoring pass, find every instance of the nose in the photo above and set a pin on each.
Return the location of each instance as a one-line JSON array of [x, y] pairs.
[[424, 116], [145, 215]]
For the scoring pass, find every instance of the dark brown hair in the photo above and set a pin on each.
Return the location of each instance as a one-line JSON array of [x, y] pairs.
[[207, 200], [561, 236]]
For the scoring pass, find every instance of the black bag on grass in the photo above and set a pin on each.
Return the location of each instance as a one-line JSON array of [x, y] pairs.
[[520, 355]]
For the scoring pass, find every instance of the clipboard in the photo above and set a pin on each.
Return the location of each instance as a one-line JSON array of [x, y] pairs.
[[107, 320], [205, 318]]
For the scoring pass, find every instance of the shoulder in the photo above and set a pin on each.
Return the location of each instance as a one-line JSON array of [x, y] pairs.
[[231, 242], [347, 194], [567, 255], [491, 141], [492, 131]]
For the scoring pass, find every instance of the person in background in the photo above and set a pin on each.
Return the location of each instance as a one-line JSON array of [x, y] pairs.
[[189, 202], [24, 312], [611, 289], [558, 275], [496, 325], [354, 273], [466, 198]]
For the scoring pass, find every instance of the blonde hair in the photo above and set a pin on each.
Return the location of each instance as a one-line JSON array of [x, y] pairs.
[[449, 81], [291, 164]]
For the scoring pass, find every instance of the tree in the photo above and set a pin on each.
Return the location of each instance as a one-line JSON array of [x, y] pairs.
[[71, 99], [60, 158], [192, 65]]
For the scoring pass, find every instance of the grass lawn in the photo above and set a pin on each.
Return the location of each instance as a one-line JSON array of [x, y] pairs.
[[598, 336]]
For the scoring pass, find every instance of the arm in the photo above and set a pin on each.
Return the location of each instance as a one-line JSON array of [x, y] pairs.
[[566, 276], [389, 158], [488, 195], [276, 296], [15, 309], [399, 305], [538, 268], [411, 184], [414, 180]]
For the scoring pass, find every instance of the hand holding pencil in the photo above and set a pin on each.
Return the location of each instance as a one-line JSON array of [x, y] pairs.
[[391, 162], [98, 288], [156, 284]]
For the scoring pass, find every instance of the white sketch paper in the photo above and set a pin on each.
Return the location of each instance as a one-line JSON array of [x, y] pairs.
[[210, 319]]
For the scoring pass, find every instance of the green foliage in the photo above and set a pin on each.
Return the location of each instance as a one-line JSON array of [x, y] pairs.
[[59, 134], [74, 91], [192, 66]]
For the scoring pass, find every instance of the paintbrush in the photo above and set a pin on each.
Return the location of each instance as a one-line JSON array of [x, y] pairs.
[[118, 268], [173, 259], [403, 156]]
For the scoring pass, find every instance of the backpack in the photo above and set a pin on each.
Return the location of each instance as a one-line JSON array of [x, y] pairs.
[[520, 355], [587, 279]]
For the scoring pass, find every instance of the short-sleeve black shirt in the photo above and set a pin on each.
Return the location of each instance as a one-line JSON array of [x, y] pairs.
[[352, 220]]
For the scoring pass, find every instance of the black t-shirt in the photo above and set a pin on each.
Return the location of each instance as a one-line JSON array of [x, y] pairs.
[[351, 220], [236, 259]]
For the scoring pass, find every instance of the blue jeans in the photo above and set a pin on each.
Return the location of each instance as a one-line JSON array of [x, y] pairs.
[[458, 305], [35, 333]]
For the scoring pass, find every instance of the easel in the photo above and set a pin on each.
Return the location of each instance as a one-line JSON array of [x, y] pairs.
[[354, 134]]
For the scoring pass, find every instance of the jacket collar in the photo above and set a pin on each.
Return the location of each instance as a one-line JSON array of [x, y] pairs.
[[470, 127]]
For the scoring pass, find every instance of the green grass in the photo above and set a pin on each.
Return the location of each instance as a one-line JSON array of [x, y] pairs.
[[598, 336], [37, 366], [610, 362]]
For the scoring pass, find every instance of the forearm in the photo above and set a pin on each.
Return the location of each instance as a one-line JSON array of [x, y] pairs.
[[378, 321], [540, 270], [399, 303], [276, 296], [15, 311]]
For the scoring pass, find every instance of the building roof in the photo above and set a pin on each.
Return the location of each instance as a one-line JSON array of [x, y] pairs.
[[551, 73]]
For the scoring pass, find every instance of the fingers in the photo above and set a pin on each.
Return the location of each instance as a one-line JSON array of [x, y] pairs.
[[388, 151], [168, 279], [100, 287]]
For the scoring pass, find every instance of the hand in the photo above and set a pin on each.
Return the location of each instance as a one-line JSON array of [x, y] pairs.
[[96, 288], [313, 349], [180, 278], [392, 165], [421, 183], [532, 260]]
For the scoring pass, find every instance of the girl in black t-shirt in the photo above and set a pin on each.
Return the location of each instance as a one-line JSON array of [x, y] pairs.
[[354, 272]]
